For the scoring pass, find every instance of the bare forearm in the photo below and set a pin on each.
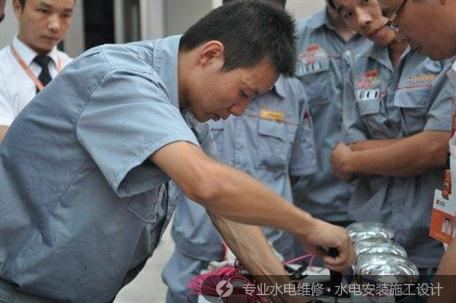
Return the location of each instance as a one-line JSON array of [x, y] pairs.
[[3, 130], [256, 204], [250, 246], [371, 144], [230, 193], [254, 252], [407, 157], [445, 277]]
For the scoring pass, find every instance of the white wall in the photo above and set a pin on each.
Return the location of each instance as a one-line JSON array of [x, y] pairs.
[[8, 27], [302, 8], [159, 18]]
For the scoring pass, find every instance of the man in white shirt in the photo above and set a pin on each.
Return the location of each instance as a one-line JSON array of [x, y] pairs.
[[32, 60]]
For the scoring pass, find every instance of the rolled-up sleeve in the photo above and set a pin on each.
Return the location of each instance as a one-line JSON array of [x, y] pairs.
[[128, 118], [442, 97]]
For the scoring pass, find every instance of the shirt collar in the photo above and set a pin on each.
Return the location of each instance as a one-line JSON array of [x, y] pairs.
[[279, 87], [166, 56], [319, 19], [381, 55], [27, 54], [452, 73]]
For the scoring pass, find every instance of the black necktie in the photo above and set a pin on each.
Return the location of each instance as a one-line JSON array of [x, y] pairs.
[[45, 76]]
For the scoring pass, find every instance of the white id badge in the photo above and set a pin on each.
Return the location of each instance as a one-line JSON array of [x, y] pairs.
[[443, 218]]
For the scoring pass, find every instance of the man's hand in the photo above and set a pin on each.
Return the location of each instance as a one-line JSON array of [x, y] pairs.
[[322, 236], [340, 157]]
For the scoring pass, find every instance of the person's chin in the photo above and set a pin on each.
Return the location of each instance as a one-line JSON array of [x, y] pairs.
[[201, 118], [435, 54]]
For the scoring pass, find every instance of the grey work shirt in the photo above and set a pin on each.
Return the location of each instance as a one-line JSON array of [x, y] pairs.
[[395, 102], [272, 140], [81, 204], [323, 67]]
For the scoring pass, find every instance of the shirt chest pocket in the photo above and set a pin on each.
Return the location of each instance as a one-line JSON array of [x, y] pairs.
[[413, 105], [316, 79], [150, 206], [371, 116], [273, 143]]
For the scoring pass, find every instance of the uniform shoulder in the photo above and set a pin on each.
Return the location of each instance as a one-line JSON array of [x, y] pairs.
[[290, 87], [5, 51], [311, 22], [6, 60], [130, 56]]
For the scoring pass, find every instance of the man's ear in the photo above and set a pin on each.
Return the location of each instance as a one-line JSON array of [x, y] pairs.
[[17, 6], [211, 50]]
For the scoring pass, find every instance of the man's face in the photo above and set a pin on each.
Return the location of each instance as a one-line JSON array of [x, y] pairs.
[[2, 9], [216, 94], [365, 17], [43, 23], [429, 25]]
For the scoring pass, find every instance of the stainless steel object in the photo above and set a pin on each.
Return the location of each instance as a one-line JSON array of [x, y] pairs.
[[379, 246], [385, 268], [360, 231]]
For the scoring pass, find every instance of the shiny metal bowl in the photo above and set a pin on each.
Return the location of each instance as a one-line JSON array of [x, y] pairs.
[[384, 268], [379, 246], [360, 231]]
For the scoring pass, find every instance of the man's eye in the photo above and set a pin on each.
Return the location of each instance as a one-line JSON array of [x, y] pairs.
[[346, 15]]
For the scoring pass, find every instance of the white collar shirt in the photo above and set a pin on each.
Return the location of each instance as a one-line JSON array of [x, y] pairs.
[[16, 86]]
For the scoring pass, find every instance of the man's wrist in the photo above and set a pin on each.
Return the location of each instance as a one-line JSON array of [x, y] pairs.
[[306, 225]]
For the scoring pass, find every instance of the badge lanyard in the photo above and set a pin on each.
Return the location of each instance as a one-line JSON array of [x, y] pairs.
[[29, 71], [447, 173]]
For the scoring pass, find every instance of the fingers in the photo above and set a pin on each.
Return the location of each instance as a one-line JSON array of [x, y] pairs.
[[344, 259]]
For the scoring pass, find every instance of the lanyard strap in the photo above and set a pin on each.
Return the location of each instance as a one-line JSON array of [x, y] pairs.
[[29, 72], [446, 190]]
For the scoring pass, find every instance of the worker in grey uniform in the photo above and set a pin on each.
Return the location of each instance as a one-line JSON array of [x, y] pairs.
[[397, 125], [271, 141], [84, 168], [435, 38], [323, 44]]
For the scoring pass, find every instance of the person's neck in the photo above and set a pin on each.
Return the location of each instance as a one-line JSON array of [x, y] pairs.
[[396, 49], [182, 65], [31, 46]]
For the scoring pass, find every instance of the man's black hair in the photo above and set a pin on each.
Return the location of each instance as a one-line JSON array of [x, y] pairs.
[[332, 4], [22, 2], [250, 30], [281, 3]]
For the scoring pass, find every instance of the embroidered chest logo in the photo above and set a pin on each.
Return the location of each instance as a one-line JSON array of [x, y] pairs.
[[367, 86], [422, 78], [311, 56], [272, 115], [418, 81]]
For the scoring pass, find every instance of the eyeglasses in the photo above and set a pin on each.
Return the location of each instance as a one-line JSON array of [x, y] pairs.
[[391, 20]]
